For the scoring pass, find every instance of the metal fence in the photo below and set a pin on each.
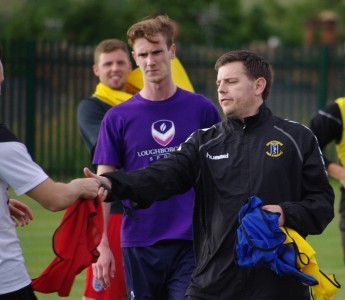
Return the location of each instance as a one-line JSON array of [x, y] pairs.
[[46, 80]]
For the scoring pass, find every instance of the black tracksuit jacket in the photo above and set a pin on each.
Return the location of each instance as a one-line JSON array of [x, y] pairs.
[[327, 125], [274, 159]]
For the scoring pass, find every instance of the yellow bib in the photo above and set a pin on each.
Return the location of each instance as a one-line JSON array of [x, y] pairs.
[[110, 96], [306, 262], [340, 148]]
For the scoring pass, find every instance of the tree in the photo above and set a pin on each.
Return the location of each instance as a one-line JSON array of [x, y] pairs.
[[218, 23], [91, 21]]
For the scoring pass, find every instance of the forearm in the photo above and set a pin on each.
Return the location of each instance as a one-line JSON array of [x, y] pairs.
[[56, 196], [311, 208], [159, 181], [337, 172], [311, 213], [67, 193], [106, 212], [105, 206]]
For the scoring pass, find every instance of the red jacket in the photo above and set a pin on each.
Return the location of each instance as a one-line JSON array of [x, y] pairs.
[[75, 244]]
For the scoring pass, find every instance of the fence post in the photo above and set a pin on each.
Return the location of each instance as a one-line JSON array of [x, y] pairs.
[[323, 78], [31, 97]]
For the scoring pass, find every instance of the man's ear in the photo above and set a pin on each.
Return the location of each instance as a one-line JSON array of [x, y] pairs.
[[260, 85], [135, 58], [95, 70], [172, 51]]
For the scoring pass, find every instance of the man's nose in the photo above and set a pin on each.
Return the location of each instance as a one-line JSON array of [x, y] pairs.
[[114, 67], [150, 60], [220, 88]]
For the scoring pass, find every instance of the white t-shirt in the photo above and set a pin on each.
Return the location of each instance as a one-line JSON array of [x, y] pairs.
[[21, 173]]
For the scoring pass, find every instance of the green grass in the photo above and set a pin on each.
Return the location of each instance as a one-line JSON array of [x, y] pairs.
[[36, 240]]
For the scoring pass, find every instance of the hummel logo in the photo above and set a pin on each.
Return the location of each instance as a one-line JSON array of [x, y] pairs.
[[217, 157]]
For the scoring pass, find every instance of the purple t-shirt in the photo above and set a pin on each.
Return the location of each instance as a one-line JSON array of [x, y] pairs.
[[138, 132]]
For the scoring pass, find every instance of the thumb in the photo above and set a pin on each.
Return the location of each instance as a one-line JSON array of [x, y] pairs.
[[89, 174]]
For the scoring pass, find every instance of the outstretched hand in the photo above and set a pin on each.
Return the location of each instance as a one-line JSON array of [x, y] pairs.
[[105, 188]]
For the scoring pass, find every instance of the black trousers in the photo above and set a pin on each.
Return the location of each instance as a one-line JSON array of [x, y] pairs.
[[26, 293]]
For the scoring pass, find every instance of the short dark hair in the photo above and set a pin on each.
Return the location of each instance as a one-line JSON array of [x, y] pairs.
[[108, 46], [254, 64], [151, 26]]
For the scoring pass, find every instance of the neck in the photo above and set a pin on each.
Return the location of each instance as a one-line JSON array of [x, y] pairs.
[[158, 91]]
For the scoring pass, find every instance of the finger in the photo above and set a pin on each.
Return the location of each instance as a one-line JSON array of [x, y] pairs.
[[112, 269], [20, 221], [26, 219], [16, 211], [15, 221], [103, 193], [89, 174], [97, 272], [23, 222], [20, 209], [29, 215], [106, 278]]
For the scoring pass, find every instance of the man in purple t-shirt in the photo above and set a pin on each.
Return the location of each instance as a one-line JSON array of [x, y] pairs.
[[156, 242]]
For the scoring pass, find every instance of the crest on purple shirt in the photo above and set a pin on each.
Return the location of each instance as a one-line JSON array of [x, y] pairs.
[[163, 131]]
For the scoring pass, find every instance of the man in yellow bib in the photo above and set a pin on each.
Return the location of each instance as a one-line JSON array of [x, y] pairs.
[[329, 126], [112, 66]]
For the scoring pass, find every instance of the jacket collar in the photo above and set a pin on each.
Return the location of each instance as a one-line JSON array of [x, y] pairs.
[[253, 121]]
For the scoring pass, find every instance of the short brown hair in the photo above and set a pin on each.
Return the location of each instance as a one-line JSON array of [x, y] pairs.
[[151, 26], [109, 45], [254, 65]]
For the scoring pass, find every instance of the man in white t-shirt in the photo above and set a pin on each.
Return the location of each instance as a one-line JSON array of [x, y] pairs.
[[24, 176]]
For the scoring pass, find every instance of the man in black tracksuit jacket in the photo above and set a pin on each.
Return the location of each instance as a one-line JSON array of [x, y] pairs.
[[251, 153]]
